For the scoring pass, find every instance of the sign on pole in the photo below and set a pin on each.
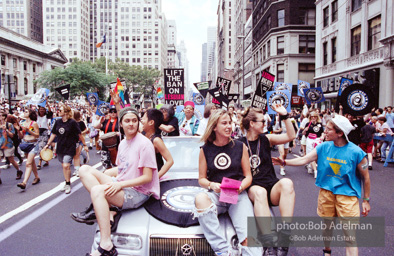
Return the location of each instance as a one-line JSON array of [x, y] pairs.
[[174, 86]]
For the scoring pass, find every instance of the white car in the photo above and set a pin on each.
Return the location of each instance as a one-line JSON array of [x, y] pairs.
[[166, 226]]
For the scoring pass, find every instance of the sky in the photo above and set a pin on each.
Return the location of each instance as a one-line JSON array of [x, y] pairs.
[[192, 18]]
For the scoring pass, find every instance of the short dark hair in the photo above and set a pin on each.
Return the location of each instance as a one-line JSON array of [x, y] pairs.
[[32, 115], [169, 108], [157, 116]]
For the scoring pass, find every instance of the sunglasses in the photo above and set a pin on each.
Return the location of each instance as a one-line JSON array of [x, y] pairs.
[[112, 111], [263, 121]]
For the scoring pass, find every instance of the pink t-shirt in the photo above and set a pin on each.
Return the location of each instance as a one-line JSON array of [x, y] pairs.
[[133, 156]]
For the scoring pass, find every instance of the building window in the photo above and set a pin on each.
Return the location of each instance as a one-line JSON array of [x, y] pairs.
[[3, 60], [268, 48], [374, 35], [326, 16], [281, 18], [308, 17], [333, 49], [334, 11], [25, 86], [307, 44], [280, 45], [356, 41], [306, 72], [264, 53], [325, 55], [25, 65], [356, 4], [280, 74], [14, 62]]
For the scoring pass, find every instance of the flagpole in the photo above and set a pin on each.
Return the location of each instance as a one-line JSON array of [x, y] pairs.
[[106, 59]]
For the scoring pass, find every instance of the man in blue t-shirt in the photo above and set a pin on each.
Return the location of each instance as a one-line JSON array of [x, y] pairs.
[[342, 169]]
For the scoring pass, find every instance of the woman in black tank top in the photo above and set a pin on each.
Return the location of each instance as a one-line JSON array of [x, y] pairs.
[[151, 122], [266, 188], [221, 157]]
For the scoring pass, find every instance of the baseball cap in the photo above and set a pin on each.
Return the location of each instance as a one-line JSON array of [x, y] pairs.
[[344, 124], [127, 110]]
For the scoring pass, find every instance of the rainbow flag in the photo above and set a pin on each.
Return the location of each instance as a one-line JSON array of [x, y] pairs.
[[120, 91], [160, 94], [102, 42]]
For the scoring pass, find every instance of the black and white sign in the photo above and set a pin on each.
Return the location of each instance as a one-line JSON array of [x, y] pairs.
[[174, 86]]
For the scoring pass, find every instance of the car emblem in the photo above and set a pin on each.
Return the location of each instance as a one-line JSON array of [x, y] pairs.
[[186, 249]]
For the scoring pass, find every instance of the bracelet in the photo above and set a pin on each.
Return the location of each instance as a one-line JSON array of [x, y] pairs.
[[284, 117], [366, 199], [209, 185]]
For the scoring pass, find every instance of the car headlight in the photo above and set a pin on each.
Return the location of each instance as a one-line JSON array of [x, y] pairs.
[[126, 241]]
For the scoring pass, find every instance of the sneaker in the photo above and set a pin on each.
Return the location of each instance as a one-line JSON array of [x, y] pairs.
[[315, 174], [282, 171], [7, 166], [90, 147], [98, 152], [370, 168], [310, 171], [76, 173], [54, 155], [67, 189]]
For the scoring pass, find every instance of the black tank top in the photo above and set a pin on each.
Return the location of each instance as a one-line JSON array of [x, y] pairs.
[[159, 157], [224, 161], [264, 175]]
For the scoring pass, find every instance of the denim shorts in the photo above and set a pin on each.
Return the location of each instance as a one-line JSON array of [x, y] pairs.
[[132, 198], [65, 158]]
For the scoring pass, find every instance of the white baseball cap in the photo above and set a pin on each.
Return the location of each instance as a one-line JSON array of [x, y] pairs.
[[344, 124]]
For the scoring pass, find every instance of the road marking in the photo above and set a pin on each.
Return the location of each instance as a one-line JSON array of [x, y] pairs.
[[38, 199], [34, 215]]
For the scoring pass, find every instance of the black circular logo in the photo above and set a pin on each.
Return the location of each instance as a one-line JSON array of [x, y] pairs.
[[103, 108], [199, 99], [181, 199], [279, 98], [301, 88], [357, 100]]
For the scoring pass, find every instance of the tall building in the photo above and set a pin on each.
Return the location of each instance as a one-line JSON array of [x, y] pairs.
[[355, 39], [204, 64], [172, 58], [66, 26], [23, 17], [225, 39], [135, 30], [283, 41], [184, 63], [243, 10], [211, 51]]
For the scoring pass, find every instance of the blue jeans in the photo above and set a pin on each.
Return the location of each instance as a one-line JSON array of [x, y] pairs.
[[239, 213], [383, 150]]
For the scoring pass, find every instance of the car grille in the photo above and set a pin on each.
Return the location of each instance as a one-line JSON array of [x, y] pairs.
[[180, 247]]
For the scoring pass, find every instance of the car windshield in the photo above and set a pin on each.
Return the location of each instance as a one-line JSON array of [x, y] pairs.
[[184, 151]]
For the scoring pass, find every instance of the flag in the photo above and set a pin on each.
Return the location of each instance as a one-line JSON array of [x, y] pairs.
[[160, 94], [92, 98], [64, 91], [119, 91], [102, 42], [39, 98]]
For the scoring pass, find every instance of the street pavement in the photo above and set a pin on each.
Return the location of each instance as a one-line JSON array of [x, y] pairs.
[[37, 221]]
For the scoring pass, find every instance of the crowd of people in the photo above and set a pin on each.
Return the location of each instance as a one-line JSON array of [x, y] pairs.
[[137, 157]]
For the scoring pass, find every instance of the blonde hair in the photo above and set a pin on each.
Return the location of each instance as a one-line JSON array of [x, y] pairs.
[[209, 134], [67, 111], [316, 114]]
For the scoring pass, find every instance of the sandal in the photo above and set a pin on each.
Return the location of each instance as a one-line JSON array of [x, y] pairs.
[[46, 164], [114, 223], [19, 175], [38, 167], [326, 251], [112, 252]]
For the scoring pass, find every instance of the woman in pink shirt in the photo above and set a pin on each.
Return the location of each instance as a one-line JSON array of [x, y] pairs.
[[136, 180]]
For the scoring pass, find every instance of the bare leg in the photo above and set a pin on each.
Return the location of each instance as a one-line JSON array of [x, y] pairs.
[[283, 194], [258, 196], [66, 171], [29, 167], [12, 161]]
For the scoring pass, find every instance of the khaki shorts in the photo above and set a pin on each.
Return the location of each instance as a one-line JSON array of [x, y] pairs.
[[330, 205], [7, 152]]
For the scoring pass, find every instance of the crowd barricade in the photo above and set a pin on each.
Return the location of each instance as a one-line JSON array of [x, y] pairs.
[[389, 139]]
